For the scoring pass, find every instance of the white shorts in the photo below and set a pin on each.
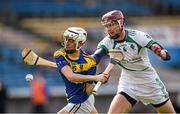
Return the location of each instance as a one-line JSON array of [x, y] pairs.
[[85, 107], [149, 93]]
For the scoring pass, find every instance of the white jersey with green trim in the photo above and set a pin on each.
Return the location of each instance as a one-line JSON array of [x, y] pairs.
[[136, 62]]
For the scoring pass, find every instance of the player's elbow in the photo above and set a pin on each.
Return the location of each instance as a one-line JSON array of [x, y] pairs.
[[72, 78]]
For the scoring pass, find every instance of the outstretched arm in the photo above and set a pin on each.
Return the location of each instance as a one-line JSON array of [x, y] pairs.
[[160, 51]]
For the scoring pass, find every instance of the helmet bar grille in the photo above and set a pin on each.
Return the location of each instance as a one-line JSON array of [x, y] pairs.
[[73, 32]]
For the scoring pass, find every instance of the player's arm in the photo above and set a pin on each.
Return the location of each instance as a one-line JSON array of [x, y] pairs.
[[98, 54], [73, 77], [146, 40], [64, 67], [160, 51]]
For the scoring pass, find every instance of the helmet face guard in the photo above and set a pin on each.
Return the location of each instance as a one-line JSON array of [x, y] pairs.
[[72, 36], [114, 17], [75, 33]]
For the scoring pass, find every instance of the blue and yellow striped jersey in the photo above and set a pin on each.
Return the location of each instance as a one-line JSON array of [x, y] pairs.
[[84, 64]]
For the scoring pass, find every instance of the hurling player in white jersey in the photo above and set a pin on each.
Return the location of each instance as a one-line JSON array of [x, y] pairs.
[[138, 81]]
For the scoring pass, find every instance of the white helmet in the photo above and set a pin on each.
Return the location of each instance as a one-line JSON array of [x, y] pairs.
[[76, 33]]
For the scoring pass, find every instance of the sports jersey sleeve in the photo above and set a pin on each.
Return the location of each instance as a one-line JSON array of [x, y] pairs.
[[98, 54], [144, 39], [60, 60], [106, 44]]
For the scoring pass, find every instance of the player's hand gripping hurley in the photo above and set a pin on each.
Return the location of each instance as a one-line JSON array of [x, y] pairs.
[[114, 54]]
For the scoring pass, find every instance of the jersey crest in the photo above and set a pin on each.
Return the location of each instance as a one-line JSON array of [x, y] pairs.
[[85, 66]]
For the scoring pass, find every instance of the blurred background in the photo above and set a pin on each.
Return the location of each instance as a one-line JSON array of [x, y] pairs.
[[39, 24]]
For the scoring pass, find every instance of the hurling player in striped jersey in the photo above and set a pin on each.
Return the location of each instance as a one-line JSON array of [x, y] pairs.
[[77, 70]]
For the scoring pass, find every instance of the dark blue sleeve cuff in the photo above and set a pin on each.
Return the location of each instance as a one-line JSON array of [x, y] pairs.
[[168, 57]]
